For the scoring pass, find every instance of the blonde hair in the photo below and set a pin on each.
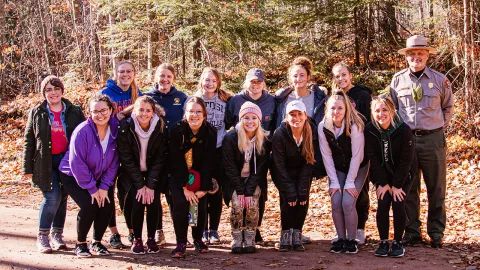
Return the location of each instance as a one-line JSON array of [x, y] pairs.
[[352, 116], [222, 94], [244, 142], [308, 153], [303, 62], [133, 85], [335, 87], [388, 103]]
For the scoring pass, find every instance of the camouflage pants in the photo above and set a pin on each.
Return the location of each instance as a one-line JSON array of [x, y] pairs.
[[252, 213]]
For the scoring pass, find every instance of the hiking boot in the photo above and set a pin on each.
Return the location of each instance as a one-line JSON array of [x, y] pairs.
[[214, 238], [99, 249], [137, 247], [411, 239], [338, 246], [351, 247], [205, 237], [383, 249], [160, 237], [436, 241], [237, 242], [397, 250], [152, 246], [82, 251], [258, 238], [200, 246], [360, 236], [56, 240], [285, 240], [130, 238], [43, 244], [116, 241], [249, 241], [297, 242], [179, 251]]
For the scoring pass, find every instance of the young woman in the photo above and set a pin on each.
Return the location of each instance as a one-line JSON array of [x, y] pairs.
[[360, 96], [88, 173], [193, 143], [122, 91], [142, 147], [254, 90], [293, 154], [389, 146], [209, 89], [342, 146], [246, 165], [47, 133]]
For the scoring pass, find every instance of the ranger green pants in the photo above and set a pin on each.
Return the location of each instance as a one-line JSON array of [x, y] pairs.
[[430, 155]]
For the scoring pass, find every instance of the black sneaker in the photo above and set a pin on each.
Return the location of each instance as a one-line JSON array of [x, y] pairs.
[[436, 241], [411, 239], [383, 249], [338, 246], [99, 249], [397, 250], [200, 246], [116, 241], [351, 247], [179, 251], [82, 251]]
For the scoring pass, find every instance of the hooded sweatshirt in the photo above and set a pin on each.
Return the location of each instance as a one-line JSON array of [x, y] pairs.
[[172, 102], [266, 102], [361, 97], [121, 98]]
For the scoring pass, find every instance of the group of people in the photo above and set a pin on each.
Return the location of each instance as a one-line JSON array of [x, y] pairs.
[[214, 148]]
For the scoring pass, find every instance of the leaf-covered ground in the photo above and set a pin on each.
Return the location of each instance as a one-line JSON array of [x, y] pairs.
[[462, 235]]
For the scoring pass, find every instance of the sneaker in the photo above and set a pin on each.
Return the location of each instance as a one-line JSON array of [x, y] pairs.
[[131, 237], [116, 241], [411, 239], [43, 244], [152, 246], [338, 246], [397, 250], [99, 249], [200, 246], [214, 238], [306, 240], [56, 239], [205, 236], [335, 238], [82, 251], [137, 246], [351, 247], [360, 236], [436, 241], [179, 251], [160, 237], [258, 238], [383, 249]]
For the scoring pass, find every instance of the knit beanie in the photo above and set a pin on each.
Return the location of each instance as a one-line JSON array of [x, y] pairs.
[[53, 80], [250, 107]]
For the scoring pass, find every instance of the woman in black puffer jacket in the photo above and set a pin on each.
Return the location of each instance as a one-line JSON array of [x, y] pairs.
[[293, 145], [142, 146], [47, 134], [389, 146]]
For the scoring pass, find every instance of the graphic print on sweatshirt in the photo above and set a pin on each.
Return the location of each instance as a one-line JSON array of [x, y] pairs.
[[216, 113], [59, 138]]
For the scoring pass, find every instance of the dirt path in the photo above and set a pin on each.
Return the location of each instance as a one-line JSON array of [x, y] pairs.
[[19, 225]]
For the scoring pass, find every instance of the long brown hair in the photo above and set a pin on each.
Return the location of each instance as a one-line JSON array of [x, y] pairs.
[[133, 85], [308, 153], [153, 103], [222, 94], [352, 116], [304, 62]]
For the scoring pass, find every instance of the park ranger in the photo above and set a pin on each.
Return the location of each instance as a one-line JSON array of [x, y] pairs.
[[423, 98]]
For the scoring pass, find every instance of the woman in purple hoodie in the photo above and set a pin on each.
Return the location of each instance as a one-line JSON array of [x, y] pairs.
[[88, 173]]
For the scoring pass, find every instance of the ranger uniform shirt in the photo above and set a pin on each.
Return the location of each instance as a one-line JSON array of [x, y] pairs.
[[434, 110]]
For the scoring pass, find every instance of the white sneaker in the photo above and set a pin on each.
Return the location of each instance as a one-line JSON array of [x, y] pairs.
[[360, 236], [335, 238]]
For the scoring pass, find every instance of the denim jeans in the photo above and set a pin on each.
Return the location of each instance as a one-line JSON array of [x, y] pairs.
[[53, 209]]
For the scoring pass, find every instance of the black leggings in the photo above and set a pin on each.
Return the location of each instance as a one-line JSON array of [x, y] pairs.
[[399, 215], [180, 207], [215, 201], [292, 217], [126, 207], [138, 211], [89, 213], [363, 205]]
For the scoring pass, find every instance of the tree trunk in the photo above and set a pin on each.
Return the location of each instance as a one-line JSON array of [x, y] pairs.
[[467, 64], [368, 47], [357, 45], [3, 31], [149, 56], [44, 37], [112, 51]]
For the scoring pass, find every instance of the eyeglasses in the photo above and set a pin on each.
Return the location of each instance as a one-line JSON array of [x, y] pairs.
[[102, 112], [125, 71], [195, 112]]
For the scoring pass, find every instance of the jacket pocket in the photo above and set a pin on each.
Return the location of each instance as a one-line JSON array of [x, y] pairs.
[[405, 97]]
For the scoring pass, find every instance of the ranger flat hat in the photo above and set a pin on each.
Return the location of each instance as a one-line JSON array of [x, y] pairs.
[[417, 42]]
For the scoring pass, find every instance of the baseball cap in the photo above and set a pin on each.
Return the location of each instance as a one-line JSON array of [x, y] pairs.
[[255, 74], [296, 105]]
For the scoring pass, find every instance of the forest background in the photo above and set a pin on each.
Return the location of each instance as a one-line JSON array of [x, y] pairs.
[[82, 40]]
